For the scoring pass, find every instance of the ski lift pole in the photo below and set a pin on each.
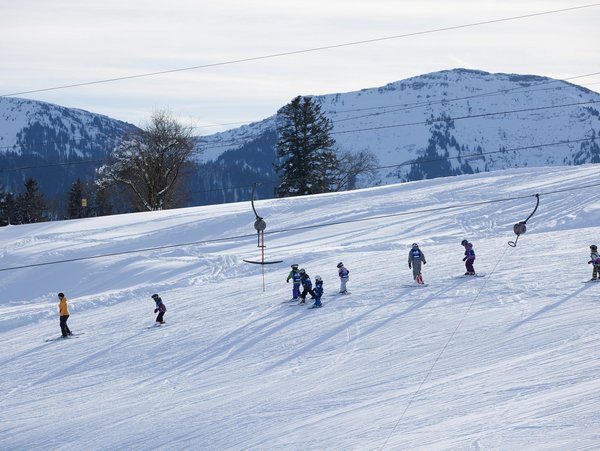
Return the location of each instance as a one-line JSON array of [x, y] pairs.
[[520, 228], [260, 225]]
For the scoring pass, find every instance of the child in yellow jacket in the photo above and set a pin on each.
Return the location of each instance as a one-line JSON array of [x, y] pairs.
[[63, 311]]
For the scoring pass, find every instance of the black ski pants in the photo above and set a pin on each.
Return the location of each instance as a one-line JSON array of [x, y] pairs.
[[63, 325], [308, 291]]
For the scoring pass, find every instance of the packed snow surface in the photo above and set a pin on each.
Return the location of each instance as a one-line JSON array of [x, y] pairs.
[[507, 361]]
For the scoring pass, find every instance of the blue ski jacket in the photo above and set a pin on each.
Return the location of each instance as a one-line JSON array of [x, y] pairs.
[[305, 280], [416, 254], [296, 277], [319, 290], [469, 251]]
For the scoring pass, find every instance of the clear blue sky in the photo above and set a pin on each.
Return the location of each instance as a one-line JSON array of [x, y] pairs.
[[53, 43]]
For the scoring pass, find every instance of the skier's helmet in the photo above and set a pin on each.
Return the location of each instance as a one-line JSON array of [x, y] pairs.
[[464, 242], [294, 265], [340, 264], [155, 296], [302, 271], [593, 247], [318, 279], [61, 295], [415, 245]]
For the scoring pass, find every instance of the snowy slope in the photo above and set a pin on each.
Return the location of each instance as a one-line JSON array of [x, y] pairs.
[[508, 361]]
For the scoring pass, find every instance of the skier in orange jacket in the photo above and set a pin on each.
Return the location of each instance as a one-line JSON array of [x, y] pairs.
[[63, 311]]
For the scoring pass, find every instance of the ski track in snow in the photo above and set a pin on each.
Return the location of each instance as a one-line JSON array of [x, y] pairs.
[[509, 361]]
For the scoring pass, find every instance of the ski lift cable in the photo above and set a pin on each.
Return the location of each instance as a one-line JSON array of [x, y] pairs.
[[232, 143], [294, 229], [302, 51], [443, 349]]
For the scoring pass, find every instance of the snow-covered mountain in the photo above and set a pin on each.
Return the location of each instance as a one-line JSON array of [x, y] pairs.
[[480, 121], [34, 133], [504, 362], [443, 123]]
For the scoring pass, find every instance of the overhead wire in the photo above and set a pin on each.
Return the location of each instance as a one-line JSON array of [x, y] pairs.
[[470, 156], [516, 89], [443, 349], [232, 143], [299, 228], [415, 105], [297, 52], [425, 122]]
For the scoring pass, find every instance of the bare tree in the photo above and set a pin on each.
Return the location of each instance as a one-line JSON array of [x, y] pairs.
[[150, 162], [351, 166]]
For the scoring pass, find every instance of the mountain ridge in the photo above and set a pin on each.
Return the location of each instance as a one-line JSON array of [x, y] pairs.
[[439, 124]]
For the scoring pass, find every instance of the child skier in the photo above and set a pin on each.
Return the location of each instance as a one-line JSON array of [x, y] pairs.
[[63, 311], [294, 275], [595, 260], [415, 258], [469, 257], [160, 309], [318, 291], [344, 277], [307, 286]]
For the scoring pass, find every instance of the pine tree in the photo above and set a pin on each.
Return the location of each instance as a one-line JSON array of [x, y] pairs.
[[77, 197], [7, 209], [31, 205], [102, 205], [305, 149]]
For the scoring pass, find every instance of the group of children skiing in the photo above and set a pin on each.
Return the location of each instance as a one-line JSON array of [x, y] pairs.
[[301, 279], [416, 258]]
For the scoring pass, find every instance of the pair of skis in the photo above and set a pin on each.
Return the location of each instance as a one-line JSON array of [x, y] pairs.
[[304, 303], [294, 303], [423, 284], [68, 337]]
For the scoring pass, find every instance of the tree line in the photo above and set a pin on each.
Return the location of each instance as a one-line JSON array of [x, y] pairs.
[[148, 170]]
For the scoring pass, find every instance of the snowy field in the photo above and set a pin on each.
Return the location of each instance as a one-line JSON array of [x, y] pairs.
[[510, 361]]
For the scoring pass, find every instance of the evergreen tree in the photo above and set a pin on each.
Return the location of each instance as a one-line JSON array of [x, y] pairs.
[[7, 209], [102, 205], [78, 201], [31, 206], [305, 148]]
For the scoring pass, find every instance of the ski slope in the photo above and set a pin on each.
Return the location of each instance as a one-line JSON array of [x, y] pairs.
[[506, 361]]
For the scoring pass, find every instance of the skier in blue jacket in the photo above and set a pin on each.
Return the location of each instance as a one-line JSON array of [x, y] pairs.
[[307, 286], [296, 279], [318, 291], [415, 258]]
